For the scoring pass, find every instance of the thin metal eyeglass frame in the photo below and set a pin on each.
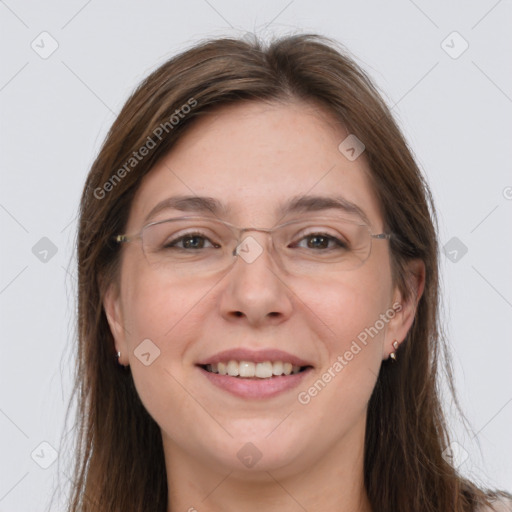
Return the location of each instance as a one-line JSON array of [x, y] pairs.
[[126, 238]]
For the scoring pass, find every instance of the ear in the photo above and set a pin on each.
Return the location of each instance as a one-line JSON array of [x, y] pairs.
[[114, 314], [405, 309]]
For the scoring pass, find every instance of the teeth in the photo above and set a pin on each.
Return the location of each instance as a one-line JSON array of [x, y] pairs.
[[248, 369], [277, 368], [264, 370], [232, 369]]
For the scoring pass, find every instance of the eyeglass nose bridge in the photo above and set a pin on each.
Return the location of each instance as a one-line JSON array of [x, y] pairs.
[[248, 248]]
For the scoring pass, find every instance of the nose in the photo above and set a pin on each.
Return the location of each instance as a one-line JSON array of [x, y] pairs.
[[256, 291]]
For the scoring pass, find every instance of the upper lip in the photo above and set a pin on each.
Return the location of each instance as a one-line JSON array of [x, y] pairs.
[[255, 356]]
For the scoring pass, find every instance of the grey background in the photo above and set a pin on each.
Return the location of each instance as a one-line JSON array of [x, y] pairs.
[[455, 112]]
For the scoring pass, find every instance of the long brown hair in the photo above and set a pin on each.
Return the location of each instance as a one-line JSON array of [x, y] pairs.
[[119, 456]]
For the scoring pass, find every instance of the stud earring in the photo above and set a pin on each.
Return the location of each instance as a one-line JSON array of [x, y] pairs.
[[393, 354]]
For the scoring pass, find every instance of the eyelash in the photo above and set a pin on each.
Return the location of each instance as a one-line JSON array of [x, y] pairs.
[[172, 244]]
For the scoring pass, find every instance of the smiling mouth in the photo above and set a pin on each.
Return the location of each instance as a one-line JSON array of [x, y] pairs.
[[251, 370]]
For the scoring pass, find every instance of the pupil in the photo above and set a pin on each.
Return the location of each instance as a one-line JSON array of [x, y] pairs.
[[324, 242], [188, 244]]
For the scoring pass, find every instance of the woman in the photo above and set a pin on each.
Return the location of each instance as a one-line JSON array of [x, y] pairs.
[[257, 249]]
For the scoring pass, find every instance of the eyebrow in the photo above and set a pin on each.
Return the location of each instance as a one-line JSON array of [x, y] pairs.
[[297, 204], [301, 204], [189, 204]]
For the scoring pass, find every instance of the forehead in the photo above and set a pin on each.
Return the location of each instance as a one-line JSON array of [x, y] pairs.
[[253, 159]]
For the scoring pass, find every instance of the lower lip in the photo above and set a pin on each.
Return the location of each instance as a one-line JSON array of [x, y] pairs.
[[255, 387]]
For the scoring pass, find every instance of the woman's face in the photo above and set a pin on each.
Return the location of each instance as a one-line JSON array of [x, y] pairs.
[[253, 158]]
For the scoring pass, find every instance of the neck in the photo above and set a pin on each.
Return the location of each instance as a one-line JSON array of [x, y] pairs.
[[334, 481]]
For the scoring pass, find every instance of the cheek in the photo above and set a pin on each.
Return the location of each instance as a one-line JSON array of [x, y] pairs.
[[159, 319], [353, 315], [344, 309], [155, 308], [162, 319]]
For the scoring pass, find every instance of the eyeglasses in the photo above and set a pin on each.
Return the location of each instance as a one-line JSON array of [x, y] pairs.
[[195, 245]]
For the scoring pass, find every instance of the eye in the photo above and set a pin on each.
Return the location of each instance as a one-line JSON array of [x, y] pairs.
[[189, 241], [322, 241]]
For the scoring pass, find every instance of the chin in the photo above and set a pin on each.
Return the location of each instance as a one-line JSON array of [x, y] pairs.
[[248, 456]]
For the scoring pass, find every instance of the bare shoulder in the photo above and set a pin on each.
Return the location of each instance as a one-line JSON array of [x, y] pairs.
[[499, 505]]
